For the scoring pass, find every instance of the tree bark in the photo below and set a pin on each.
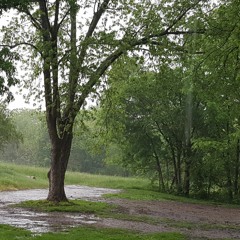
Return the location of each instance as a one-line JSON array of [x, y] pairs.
[[161, 184], [60, 155], [236, 177], [188, 163], [187, 178], [228, 165]]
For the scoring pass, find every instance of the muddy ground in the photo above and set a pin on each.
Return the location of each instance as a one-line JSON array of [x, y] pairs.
[[194, 220]]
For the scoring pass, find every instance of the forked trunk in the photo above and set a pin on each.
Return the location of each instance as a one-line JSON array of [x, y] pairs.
[[60, 156]]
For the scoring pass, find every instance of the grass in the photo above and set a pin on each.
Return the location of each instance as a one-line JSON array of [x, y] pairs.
[[86, 233], [151, 195], [81, 206], [12, 233], [16, 177], [99, 209], [197, 225], [106, 181]]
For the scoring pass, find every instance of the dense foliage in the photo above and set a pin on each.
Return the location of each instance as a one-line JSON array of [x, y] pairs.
[[179, 122]]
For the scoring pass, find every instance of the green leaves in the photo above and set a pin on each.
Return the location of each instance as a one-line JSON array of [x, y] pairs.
[[6, 4], [7, 72], [8, 132]]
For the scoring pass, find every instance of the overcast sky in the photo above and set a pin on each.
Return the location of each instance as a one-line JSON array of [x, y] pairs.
[[19, 102]]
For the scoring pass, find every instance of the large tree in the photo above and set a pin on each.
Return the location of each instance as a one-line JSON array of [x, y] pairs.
[[72, 44]]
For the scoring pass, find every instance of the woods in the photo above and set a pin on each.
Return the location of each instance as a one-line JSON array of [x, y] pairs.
[[163, 76]]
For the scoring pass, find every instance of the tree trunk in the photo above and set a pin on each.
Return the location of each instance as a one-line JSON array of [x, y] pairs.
[[188, 162], [229, 184], [60, 156], [176, 158], [209, 186], [179, 172], [161, 184], [229, 187], [228, 163], [187, 178], [236, 177]]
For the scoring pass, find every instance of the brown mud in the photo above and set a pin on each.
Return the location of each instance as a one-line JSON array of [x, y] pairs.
[[194, 220]]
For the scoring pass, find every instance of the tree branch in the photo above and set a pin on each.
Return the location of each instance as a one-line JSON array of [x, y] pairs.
[[64, 17], [55, 26], [44, 15], [96, 17], [180, 17], [46, 30], [109, 60], [34, 21], [167, 30], [22, 43], [87, 88]]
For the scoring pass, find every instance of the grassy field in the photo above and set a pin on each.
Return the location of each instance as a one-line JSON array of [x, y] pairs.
[[16, 177]]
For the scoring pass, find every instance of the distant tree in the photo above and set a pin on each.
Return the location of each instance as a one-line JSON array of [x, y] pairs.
[[34, 148], [8, 132]]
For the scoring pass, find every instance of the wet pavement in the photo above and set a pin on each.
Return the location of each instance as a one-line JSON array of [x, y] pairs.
[[47, 222]]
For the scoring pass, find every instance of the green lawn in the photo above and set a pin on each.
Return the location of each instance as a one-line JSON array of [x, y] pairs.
[[85, 233], [15, 177], [80, 206]]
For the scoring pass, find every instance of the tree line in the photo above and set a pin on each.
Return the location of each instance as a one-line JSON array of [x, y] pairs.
[[31, 145]]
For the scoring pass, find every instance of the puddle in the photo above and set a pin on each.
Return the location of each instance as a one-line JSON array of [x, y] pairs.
[[47, 222], [72, 192]]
